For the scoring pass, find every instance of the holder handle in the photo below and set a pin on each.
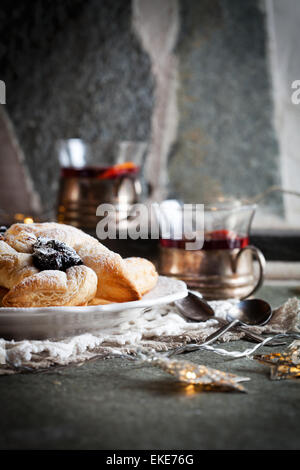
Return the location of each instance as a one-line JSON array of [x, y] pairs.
[[261, 263]]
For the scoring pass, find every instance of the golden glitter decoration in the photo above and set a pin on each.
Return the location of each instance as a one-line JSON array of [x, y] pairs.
[[28, 220], [206, 377], [284, 365]]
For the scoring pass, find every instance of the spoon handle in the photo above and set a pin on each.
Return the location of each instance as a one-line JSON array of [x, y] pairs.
[[209, 339], [217, 334], [248, 334], [235, 323]]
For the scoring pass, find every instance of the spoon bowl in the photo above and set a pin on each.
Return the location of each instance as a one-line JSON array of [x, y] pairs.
[[251, 312], [194, 307]]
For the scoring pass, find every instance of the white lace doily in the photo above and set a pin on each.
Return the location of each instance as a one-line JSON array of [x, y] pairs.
[[160, 328]]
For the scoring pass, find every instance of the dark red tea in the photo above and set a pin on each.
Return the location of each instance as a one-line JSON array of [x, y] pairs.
[[216, 240], [101, 173]]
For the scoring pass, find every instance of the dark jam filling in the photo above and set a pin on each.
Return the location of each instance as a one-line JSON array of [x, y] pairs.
[[216, 240], [53, 254], [99, 172]]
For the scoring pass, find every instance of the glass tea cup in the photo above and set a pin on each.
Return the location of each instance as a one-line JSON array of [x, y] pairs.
[[93, 173], [223, 265]]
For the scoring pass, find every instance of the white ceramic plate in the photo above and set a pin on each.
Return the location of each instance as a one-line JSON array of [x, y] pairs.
[[58, 322]]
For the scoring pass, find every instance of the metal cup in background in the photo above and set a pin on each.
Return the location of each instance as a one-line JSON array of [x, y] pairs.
[[82, 186], [218, 270], [217, 274]]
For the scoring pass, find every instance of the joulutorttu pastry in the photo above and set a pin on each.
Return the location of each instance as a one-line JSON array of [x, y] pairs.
[[75, 287], [14, 266], [50, 264]]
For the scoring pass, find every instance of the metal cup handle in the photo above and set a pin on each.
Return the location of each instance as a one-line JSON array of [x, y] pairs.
[[261, 263]]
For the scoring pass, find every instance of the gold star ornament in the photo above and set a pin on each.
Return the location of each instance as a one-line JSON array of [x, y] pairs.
[[204, 377], [285, 365]]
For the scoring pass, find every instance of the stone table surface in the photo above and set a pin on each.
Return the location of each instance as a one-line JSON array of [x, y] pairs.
[[114, 404]]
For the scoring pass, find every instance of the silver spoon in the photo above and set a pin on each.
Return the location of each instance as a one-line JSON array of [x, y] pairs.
[[249, 312], [195, 308]]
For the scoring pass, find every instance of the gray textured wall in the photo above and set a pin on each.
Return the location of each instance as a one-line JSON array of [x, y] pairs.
[[226, 142], [73, 68]]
